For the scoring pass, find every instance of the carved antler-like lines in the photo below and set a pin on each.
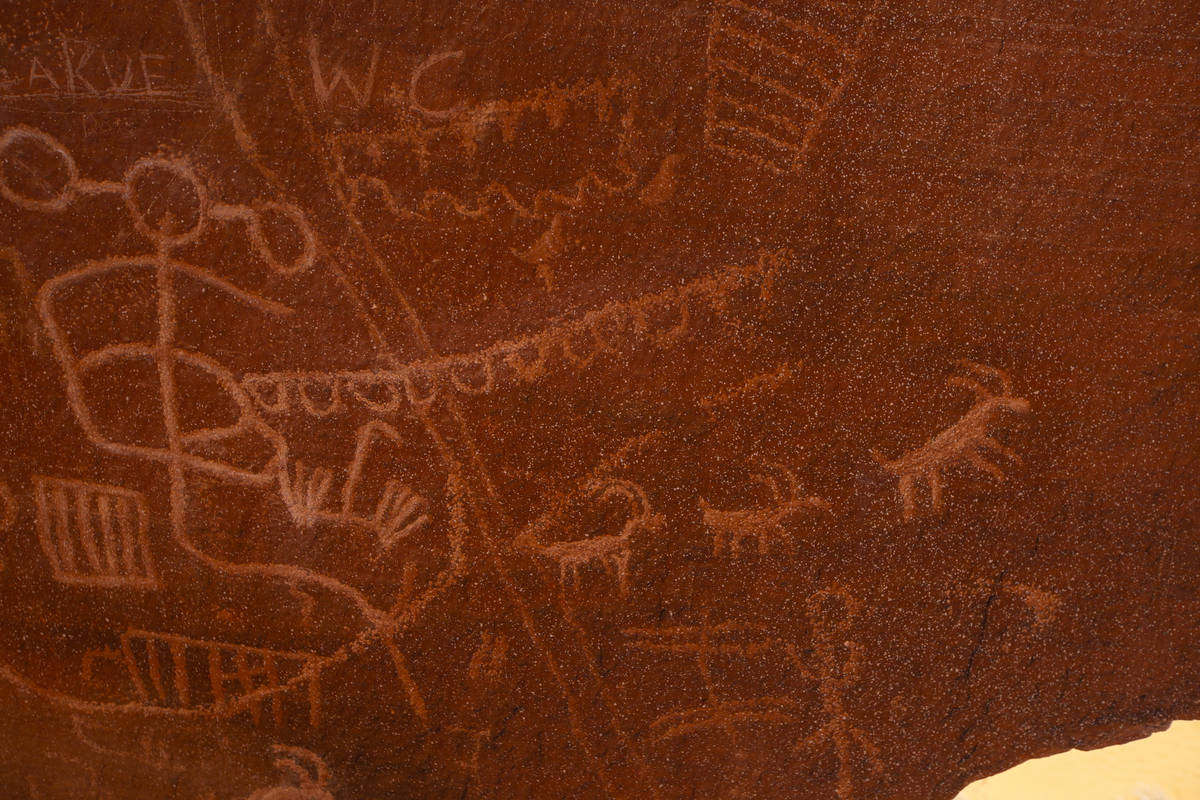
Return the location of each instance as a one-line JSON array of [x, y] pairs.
[[968, 441], [983, 371]]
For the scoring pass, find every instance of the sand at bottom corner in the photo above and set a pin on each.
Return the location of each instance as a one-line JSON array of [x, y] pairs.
[[1164, 766]]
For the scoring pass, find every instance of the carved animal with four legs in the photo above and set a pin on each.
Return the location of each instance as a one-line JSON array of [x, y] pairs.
[[965, 441], [766, 522], [611, 550]]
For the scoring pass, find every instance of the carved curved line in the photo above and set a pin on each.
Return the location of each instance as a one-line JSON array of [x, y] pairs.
[[308, 252], [356, 382], [183, 170], [627, 489], [74, 388], [17, 132], [253, 383], [458, 379], [665, 338], [606, 327], [248, 420], [568, 351], [89, 269], [362, 447], [418, 73], [410, 378], [335, 395], [526, 369], [23, 684], [984, 370]]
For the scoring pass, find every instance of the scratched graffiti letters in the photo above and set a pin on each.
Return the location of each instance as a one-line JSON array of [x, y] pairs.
[[78, 68]]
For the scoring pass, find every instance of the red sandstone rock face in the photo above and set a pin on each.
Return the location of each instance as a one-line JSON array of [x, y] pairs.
[[623, 399]]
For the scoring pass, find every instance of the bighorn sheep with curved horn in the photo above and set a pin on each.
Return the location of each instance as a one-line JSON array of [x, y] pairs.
[[765, 522], [612, 550], [964, 441]]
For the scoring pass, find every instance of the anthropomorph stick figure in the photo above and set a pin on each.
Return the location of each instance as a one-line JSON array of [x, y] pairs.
[[838, 659], [169, 206]]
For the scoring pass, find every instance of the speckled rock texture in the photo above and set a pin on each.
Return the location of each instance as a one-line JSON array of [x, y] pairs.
[[592, 399]]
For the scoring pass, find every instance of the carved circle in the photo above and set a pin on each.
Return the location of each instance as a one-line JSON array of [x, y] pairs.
[[32, 151], [303, 231], [166, 200]]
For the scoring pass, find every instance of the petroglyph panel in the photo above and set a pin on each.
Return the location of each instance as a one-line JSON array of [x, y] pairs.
[[732, 399]]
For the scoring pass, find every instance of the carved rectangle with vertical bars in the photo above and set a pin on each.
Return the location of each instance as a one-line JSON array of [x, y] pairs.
[[225, 679], [94, 534]]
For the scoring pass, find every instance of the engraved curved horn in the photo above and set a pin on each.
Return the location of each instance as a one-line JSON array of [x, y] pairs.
[[792, 481], [304, 764], [638, 502], [769, 482], [984, 371]]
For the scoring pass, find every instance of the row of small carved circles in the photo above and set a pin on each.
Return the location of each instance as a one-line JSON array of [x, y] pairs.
[[476, 374]]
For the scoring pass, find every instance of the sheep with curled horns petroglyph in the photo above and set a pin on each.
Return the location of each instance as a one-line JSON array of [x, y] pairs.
[[963, 442], [762, 522], [611, 550]]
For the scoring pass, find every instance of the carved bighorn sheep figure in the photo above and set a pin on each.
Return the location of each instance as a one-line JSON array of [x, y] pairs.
[[765, 522], [965, 441], [611, 550]]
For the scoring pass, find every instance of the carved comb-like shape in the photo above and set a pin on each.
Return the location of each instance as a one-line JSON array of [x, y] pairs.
[[94, 534], [182, 673], [401, 512], [305, 492]]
